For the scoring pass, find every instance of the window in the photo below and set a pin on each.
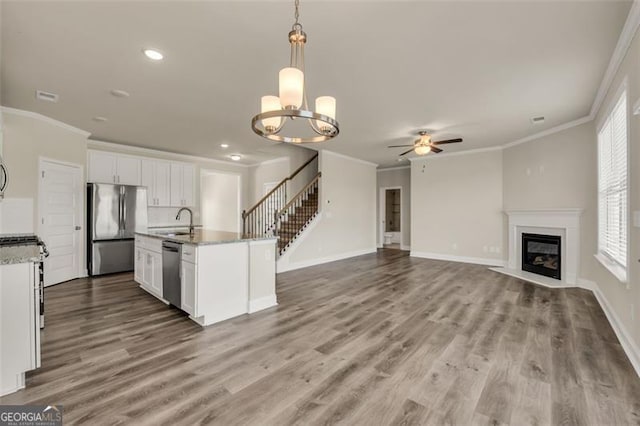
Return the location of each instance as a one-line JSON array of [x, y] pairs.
[[612, 186]]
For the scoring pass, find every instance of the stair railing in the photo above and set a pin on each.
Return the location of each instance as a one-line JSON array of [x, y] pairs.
[[259, 219], [297, 213]]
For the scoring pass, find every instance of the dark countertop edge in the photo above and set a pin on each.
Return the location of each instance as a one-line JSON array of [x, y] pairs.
[[203, 243]]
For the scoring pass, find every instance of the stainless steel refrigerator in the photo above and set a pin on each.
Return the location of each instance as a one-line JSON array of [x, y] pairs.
[[114, 214]]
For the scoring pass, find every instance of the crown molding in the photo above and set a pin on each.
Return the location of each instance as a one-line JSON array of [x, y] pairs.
[[357, 160], [45, 119], [624, 42], [93, 143], [389, 169], [550, 131]]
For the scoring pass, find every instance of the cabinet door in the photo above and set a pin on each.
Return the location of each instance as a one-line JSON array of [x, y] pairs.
[[188, 287], [128, 171], [147, 178], [138, 265], [102, 167], [188, 184], [147, 269], [176, 184], [156, 283], [163, 183]]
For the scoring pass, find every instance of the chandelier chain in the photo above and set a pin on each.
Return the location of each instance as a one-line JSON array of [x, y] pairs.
[[297, 14]]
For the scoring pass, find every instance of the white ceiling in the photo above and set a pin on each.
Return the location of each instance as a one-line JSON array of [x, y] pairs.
[[479, 70]]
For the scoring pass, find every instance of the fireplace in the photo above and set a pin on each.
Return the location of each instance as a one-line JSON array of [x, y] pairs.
[[541, 254]]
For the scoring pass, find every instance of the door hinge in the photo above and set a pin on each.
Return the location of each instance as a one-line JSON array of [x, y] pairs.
[[43, 174], [42, 220]]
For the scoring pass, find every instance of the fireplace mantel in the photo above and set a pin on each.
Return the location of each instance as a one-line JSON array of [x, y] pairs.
[[563, 222]]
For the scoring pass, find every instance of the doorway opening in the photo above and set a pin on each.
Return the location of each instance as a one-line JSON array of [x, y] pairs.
[[220, 200], [391, 226]]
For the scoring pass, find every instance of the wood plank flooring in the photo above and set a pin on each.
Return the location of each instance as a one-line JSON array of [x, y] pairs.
[[374, 340]]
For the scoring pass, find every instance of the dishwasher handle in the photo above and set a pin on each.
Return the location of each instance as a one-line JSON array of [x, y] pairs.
[[171, 249]]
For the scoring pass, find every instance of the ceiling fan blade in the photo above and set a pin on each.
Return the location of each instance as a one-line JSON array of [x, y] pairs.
[[435, 150], [398, 146], [406, 152], [447, 141]]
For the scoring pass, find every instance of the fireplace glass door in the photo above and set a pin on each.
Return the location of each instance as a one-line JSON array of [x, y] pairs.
[[541, 254]]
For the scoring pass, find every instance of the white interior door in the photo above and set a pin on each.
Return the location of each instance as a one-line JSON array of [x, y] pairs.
[[60, 220]]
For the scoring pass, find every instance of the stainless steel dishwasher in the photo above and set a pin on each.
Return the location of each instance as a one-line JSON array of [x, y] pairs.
[[171, 287]]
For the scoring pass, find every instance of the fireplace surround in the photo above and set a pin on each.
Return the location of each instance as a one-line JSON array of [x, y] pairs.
[[563, 223]]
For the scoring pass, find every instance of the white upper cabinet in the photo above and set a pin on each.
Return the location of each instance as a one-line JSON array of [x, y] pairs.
[[102, 167], [182, 184], [156, 176], [106, 167], [128, 170], [169, 183]]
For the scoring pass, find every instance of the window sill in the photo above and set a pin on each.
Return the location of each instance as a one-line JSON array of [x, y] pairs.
[[618, 271]]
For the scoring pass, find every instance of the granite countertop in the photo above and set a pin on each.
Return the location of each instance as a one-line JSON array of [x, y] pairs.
[[204, 237], [19, 254]]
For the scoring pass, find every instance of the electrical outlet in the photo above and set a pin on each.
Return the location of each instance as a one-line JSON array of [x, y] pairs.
[[454, 246], [485, 249]]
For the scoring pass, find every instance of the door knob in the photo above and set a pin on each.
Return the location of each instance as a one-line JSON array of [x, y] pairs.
[[78, 228]]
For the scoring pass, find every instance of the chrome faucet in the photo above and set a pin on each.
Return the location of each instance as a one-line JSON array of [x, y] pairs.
[[190, 218]]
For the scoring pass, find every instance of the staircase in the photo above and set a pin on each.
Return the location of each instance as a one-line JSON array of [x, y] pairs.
[[285, 217]]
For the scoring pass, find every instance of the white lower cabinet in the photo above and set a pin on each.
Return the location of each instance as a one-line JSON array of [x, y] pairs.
[[19, 324], [148, 267], [188, 287]]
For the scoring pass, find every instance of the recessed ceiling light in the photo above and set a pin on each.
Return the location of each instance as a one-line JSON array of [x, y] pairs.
[[153, 54], [224, 145], [235, 157], [120, 93], [100, 119], [537, 120]]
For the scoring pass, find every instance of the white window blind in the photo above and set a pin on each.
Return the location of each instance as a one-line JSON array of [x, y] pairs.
[[612, 184]]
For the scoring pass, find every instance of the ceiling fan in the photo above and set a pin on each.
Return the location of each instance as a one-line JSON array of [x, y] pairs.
[[425, 145]]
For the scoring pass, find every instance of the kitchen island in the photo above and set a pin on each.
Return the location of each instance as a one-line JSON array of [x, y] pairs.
[[211, 275]]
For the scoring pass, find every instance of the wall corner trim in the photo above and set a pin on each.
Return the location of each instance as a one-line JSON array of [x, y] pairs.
[[44, 118], [622, 46], [390, 169], [550, 131], [461, 259]]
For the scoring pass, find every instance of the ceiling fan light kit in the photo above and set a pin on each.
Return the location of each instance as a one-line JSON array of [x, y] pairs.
[[292, 100], [425, 145]]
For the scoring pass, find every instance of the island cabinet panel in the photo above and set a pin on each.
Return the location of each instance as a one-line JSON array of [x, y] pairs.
[[262, 275], [188, 286], [148, 264], [222, 289]]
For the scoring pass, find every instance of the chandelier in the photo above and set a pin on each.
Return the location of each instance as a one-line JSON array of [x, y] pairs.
[[292, 102]]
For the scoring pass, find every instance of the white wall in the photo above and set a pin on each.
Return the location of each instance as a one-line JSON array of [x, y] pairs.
[[397, 178], [347, 223], [625, 300], [266, 172], [456, 207], [220, 202], [27, 137]]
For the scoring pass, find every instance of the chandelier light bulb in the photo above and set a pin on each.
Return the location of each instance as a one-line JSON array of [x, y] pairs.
[[325, 105], [422, 149], [271, 103], [291, 87]]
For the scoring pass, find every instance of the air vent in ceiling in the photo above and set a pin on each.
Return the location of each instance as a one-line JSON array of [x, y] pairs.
[[537, 120], [46, 96]]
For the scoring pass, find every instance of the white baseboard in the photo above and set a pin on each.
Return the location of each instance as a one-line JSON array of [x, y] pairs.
[[312, 262], [626, 341], [405, 248], [261, 303], [463, 259]]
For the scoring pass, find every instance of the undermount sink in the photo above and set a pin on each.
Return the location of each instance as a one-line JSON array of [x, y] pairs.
[[173, 234]]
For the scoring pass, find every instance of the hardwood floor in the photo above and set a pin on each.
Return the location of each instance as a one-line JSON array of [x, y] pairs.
[[378, 339]]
